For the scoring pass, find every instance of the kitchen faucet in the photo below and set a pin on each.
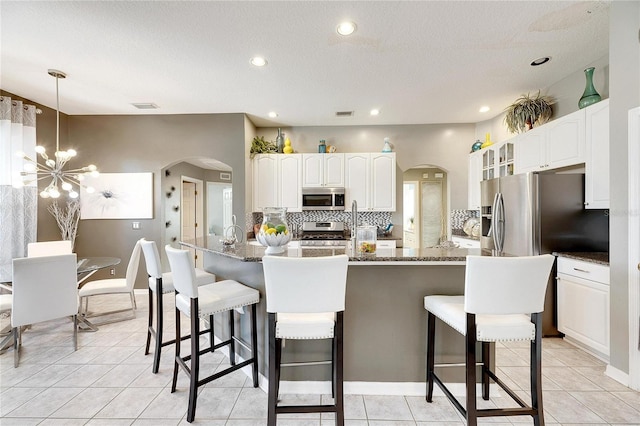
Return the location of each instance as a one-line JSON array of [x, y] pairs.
[[354, 225]]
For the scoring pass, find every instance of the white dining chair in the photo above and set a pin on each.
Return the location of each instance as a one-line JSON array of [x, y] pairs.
[[48, 248], [503, 301], [112, 286], [6, 333], [44, 288]]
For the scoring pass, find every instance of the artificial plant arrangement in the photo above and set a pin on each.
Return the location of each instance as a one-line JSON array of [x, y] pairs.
[[260, 146], [67, 219], [526, 111]]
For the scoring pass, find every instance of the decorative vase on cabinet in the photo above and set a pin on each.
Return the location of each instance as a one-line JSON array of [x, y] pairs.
[[590, 95]]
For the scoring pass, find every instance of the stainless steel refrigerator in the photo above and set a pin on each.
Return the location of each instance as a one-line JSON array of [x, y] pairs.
[[537, 213]]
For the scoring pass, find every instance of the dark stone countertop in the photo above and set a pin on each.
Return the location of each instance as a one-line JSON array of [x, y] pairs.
[[254, 253], [601, 258]]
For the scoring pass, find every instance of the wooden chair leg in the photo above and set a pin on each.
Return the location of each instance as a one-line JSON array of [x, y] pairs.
[[273, 371], [472, 415], [254, 344], [150, 322], [339, 372], [159, 326], [536, 371], [232, 346], [486, 365], [431, 338], [195, 361], [177, 352]]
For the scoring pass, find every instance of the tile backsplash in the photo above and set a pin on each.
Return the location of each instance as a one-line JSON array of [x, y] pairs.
[[458, 217], [295, 220]]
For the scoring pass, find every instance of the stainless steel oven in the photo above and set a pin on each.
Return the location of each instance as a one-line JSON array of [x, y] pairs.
[[323, 198]]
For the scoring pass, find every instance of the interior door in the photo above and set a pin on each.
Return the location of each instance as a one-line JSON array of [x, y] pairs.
[[431, 217]]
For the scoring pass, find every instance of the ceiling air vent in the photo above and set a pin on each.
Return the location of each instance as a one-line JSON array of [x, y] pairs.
[[344, 114], [146, 105]]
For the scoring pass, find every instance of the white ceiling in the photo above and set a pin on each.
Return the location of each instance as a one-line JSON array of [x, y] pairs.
[[417, 61]]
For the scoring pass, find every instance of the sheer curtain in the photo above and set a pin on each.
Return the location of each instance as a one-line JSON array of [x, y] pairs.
[[18, 206]]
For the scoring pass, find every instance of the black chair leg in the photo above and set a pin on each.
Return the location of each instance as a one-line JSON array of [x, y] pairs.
[[273, 371], [159, 326], [486, 365], [232, 345], [195, 361], [212, 338], [177, 353], [338, 366], [431, 338], [536, 371], [150, 326], [254, 344], [472, 415]]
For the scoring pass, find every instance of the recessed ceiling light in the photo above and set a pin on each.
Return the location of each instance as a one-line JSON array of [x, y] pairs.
[[346, 28], [484, 109], [375, 112], [541, 61], [273, 114], [258, 61]]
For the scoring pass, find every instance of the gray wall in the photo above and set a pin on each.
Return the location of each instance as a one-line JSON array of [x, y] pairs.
[[624, 56], [149, 144]]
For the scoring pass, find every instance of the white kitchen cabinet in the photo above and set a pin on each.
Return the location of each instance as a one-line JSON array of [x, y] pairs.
[[583, 304], [277, 181], [488, 163], [385, 244], [370, 179], [465, 242], [409, 240], [323, 170], [597, 156], [475, 176], [559, 143]]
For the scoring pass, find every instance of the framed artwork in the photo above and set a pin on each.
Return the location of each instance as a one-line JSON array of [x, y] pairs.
[[117, 196]]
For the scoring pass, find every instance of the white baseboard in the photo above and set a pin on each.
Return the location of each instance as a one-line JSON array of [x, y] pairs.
[[617, 375]]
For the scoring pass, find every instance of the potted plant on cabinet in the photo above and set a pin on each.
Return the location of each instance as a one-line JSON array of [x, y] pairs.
[[526, 111]]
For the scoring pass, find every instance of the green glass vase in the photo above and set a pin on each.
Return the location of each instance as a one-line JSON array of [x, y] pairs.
[[590, 95]]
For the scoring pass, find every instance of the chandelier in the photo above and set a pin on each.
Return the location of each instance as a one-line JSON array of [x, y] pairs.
[[54, 167]]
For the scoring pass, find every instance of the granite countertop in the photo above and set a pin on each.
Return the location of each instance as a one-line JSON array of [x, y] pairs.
[[254, 253], [460, 233], [601, 258]]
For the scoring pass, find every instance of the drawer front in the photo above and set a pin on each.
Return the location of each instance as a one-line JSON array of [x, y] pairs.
[[586, 270], [386, 244]]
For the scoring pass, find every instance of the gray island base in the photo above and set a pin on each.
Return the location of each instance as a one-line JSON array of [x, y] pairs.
[[384, 319]]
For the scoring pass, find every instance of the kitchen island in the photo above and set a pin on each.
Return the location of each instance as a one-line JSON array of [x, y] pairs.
[[384, 320]]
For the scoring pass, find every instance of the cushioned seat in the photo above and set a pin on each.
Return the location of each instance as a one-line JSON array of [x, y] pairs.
[[305, 326], [164, 281], [503, 300], [202, 302]]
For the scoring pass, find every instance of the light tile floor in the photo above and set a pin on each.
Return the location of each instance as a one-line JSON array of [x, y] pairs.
[[108, 381]]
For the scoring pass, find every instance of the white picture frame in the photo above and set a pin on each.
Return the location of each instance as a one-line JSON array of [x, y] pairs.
[[117, 196]]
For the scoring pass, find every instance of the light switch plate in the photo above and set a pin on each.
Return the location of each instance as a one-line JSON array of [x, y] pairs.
[[135, 225]]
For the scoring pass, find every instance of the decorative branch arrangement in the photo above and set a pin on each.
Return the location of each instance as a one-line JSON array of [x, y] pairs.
[[67, 219]]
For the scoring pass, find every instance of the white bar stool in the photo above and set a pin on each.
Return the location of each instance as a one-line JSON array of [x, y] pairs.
[[503, 301], [202, 302], [161, 283], [305, 300]]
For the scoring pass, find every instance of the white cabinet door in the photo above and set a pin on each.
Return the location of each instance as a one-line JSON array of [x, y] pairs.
[[323, 170], [530, 151], [290, 182], [312, 170], [565, 141], [583, 311], [370, 179], [475, 176], [265, 178], [333, 170], [356, 176], [597, 156], [383, 182]]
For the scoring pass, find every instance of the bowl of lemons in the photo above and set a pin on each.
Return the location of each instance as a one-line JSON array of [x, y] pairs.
[[274, 233]]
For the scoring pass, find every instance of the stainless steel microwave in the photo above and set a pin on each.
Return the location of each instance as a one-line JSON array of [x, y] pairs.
[[323, 198]]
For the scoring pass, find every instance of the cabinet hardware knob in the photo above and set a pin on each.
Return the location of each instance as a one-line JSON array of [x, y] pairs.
[[586, 203]]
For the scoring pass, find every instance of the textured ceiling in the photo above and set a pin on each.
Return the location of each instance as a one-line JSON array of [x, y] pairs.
[[418, 62]]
